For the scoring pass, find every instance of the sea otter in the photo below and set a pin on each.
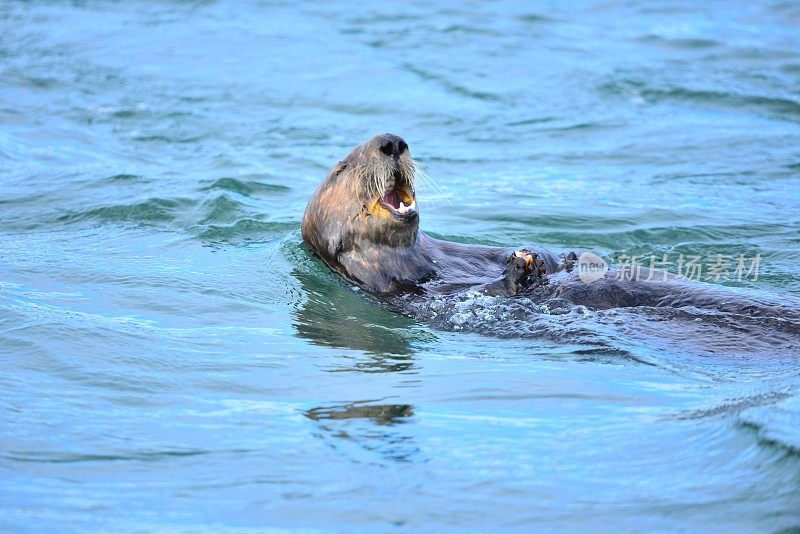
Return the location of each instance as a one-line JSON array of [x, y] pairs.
[[363, 222]]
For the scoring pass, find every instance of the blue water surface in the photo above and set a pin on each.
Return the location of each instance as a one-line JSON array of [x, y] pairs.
[[173, 359]]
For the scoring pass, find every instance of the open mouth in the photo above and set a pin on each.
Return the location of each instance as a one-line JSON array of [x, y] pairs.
[[400, 201]]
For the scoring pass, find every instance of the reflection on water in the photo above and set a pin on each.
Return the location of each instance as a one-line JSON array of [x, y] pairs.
[[374, 363], [338, 316], [382, 414], [376, 428]]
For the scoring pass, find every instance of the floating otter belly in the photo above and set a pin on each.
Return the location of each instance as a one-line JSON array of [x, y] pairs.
[[363, 222]]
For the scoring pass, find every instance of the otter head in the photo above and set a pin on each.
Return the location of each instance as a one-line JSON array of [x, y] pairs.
[[367, 198]]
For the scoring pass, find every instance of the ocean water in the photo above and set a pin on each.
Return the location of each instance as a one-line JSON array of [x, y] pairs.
[[173, 359]]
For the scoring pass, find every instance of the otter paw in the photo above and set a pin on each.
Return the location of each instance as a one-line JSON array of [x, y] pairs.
[[524, 269], [569, 262]]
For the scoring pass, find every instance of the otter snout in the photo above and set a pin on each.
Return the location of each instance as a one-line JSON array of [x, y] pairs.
[[392, 145]]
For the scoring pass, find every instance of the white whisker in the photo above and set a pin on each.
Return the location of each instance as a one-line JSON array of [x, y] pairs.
[[428, 188]]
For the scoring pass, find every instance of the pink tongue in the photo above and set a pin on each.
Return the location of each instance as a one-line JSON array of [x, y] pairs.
[[392, 199]]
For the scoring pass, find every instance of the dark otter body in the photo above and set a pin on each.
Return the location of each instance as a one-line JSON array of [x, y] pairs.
[[363, 222]]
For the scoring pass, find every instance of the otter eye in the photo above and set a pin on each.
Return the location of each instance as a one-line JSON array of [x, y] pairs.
[[403, 147], [387, 148]]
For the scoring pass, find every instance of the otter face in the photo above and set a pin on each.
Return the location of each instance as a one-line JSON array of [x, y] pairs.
[[388, 178], [384, 172], [368, 197]]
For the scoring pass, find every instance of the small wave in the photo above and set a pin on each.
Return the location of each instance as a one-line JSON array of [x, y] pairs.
[[22, 79], [535, 18], [150, 211], [123, 178], [69, 458], [171, 139], [222, 209], [685, 43], [776, 425], [247, 230], [247, 186], [784, 108], [145, 113], [735, 406], [727, 238], [452, 86], [464, 29], [530, 121], [791, 68]]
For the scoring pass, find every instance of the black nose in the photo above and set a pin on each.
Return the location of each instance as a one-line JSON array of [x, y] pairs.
[[392, 145]]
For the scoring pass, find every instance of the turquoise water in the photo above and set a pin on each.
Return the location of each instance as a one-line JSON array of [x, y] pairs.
[[173, 358]]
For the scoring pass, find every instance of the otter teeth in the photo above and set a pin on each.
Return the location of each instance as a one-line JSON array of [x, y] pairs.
[[405, 209]]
